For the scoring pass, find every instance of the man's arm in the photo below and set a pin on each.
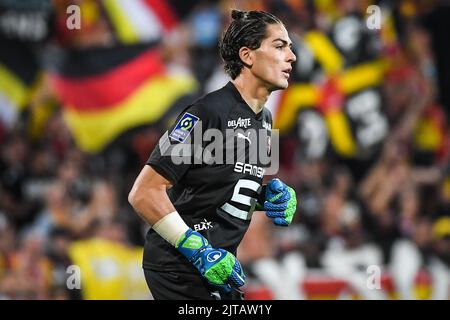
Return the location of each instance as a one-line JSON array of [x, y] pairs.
[[148, 196], [149, 199]]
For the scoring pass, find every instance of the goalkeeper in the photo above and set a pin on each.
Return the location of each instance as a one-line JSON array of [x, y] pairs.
[[199, 213]]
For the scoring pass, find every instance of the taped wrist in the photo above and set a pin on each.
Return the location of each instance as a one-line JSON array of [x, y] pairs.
[[171, 227]]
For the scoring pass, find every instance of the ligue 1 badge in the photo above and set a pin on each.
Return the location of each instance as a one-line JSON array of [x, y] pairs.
[[184, 127]]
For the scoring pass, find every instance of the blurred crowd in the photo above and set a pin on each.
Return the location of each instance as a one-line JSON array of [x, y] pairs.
[[377, 200]]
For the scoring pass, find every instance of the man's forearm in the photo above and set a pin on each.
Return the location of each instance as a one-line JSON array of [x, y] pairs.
[[152, 205], [148, 196]]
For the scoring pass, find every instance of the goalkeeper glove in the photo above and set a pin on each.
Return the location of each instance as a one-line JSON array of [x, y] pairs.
[[219, 267], [280, 202]]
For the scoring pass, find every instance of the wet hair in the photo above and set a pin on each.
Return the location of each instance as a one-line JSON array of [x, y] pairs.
[[248, 29]]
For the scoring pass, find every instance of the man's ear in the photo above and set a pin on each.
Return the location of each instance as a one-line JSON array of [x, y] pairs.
[[246, 56]]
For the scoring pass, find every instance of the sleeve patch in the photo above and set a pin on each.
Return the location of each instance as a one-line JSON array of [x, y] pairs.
[[184, 127]]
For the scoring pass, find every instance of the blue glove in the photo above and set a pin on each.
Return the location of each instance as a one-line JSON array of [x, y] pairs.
[[280, 202], [219, 267]]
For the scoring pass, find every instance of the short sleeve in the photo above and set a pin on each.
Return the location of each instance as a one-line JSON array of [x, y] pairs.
[[177, 148]]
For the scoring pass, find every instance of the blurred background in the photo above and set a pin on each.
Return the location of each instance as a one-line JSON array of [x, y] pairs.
[[87, 90]]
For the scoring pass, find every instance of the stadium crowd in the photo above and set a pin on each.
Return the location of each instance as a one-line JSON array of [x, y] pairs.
[[380, 199]]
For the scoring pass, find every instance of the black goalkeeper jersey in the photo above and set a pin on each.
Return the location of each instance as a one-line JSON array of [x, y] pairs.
[[215, 198]]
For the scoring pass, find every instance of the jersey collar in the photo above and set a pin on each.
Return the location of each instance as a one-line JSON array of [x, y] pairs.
[[235, 92]]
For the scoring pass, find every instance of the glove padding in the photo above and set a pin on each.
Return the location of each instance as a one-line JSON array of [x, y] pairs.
[[219, 267], [281, 202]]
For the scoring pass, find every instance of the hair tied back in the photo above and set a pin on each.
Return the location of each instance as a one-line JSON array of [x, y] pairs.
[[237, 14]]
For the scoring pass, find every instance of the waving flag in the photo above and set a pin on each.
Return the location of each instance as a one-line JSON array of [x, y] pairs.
[[24, 25], [107, 91], [335, 102]]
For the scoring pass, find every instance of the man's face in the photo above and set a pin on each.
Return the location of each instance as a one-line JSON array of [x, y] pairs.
[[273, 59]]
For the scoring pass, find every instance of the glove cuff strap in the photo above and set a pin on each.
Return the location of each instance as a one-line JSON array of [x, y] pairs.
[[191, 244]]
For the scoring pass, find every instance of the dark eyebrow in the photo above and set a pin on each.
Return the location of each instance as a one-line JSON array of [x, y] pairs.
[[285, 43]]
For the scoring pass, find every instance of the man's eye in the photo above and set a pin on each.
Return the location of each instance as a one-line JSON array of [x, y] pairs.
[[279, 47]]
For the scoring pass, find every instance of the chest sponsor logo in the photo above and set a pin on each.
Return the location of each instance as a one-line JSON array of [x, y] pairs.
[[251, 169], [239, 123]]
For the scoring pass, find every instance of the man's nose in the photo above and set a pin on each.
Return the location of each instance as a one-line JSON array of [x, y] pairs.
[[291, 56]]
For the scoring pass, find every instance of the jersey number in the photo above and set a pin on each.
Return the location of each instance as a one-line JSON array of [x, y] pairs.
[[243, 199]]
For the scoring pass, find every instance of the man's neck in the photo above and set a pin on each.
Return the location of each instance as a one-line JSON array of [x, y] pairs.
[[252, 92]]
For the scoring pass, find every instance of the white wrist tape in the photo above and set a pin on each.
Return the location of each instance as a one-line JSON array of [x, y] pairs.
[[171, 227]]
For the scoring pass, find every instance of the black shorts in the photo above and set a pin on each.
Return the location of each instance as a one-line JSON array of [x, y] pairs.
[[172, 285]]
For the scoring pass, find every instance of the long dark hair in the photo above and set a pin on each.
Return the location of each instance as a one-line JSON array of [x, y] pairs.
[[248, 29]]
